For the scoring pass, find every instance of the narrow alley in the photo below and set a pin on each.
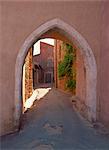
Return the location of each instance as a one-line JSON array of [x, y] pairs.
[[52, 124]]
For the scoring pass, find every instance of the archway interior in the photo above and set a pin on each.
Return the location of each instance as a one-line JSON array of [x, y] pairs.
[[57, 35]]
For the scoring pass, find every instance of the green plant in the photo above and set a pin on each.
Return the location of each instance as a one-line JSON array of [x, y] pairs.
[[71, 84], [69, 48], [65, 67], [61, 69]]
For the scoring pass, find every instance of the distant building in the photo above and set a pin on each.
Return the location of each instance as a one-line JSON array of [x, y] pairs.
[[43, 65]]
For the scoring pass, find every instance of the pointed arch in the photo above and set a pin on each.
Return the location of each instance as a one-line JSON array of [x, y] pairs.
[[89, 62]]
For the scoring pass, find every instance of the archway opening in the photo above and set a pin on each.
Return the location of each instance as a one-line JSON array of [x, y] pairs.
[[48, 63], [58, 29]]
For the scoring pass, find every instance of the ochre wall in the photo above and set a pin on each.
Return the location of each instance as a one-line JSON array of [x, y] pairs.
[[60, 52], [19, 19], [27, 79]]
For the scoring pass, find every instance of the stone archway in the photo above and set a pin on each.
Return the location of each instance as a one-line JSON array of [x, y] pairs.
[[89, 62]]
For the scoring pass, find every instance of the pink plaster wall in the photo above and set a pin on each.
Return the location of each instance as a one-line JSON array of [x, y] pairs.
[[104, 68], [19, 19], [80, 76], [80, 83]]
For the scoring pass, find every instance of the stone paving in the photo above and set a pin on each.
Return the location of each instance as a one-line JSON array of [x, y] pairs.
[[52, 124]]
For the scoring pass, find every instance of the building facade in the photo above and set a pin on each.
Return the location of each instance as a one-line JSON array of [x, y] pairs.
[[43, 64]]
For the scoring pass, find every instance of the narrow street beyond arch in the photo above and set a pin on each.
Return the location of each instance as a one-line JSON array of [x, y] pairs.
[[52, 124]]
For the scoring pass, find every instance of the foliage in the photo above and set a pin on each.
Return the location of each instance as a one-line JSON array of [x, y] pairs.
[[71, 84], [65, 66], [61, 69], [69, 48]]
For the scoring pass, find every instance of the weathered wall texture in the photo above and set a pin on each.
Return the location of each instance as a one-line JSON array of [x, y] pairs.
[[19, 19], [80, 84], [27, 83]]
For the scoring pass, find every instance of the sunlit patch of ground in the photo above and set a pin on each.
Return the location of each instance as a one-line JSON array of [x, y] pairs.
[[37, 95], [42, 92]]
